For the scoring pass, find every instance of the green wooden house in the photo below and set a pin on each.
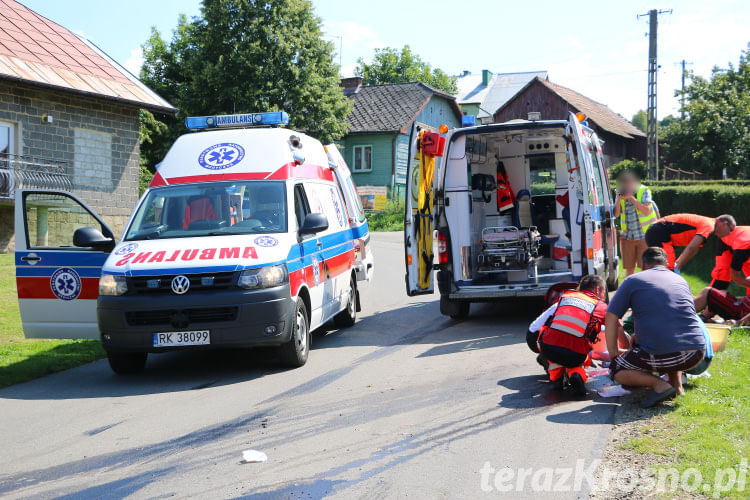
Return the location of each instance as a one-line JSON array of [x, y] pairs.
[[376, 146]]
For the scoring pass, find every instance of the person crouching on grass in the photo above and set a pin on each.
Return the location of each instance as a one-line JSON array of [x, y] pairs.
[[668, 336], [564, 332]]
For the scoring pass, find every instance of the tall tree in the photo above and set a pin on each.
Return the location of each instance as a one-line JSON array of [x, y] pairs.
[[242, 56], [391, 66], [715, 134], [640, 120]]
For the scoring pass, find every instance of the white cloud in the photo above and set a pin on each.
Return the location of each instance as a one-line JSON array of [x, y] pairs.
[[135, 61]]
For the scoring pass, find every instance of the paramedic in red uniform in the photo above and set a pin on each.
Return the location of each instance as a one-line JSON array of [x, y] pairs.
[[567, 330], [680, 230], [733, 254]]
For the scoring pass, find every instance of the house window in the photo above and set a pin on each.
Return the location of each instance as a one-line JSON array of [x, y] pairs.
[[362, 159], [7, 149]]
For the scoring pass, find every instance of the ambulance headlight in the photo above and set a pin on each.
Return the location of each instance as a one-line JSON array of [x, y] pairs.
[[263, 277], [112, 285]]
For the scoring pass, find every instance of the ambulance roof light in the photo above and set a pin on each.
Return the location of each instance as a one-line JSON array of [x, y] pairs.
[[241, 120]]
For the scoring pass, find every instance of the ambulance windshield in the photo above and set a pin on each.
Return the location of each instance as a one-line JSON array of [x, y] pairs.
[[211, 209]]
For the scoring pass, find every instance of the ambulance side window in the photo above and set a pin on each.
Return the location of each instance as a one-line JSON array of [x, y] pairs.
[[599, 178], [301, 207]]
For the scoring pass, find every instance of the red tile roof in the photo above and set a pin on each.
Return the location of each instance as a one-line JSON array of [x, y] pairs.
[[35, 49]]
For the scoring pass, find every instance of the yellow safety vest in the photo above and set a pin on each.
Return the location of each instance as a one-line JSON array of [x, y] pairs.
[[645, 220]]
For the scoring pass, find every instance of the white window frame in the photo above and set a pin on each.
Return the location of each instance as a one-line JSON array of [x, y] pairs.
[[6, 171], [354, 155], [13, 134]]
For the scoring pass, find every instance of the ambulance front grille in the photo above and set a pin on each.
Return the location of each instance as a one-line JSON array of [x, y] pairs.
[[181, 318], [163, 283]]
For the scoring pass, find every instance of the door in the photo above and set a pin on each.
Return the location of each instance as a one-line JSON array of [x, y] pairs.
[[609, 228], [356, 214], [584, 214], [419, 218], [58, 283], [310, 254], [335, 243]]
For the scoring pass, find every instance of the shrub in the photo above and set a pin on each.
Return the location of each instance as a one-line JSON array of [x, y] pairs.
[[391, 219], [636, 166]]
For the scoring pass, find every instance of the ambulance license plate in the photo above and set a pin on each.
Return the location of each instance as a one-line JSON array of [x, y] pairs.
[[176, 339]]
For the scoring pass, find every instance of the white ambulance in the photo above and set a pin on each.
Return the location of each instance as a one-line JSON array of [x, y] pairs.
[[249, 234], [518, 207]]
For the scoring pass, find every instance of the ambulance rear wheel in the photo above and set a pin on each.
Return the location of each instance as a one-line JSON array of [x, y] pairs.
[[294, 353], [613, 281], [456, 309], [124, 363], [348, 316]]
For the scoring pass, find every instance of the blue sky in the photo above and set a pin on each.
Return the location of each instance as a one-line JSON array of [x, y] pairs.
[[598, 48]]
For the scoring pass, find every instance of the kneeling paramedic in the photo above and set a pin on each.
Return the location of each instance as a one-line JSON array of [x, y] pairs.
[[565, 332]]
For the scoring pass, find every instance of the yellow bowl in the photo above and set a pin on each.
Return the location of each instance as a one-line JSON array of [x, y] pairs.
[[719, 336]]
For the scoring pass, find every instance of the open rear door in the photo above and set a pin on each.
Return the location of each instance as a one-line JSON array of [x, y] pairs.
[[58, 283], [609, 228], [582, 205], [418, 220]]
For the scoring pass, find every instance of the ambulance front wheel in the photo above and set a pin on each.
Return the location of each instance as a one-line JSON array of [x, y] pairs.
[[124, 363], [456, 309], [294, 353]]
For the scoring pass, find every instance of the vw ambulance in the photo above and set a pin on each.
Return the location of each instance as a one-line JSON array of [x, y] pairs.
[[249, 234], [518, 207]]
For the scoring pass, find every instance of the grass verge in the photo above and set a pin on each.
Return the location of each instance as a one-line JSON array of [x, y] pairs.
[[391, 219], [710, 426], [22, 359]]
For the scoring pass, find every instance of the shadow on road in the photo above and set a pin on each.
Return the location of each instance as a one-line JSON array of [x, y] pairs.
[[412, 324]]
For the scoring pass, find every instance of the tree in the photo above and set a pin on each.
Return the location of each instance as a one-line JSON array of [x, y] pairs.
[[391, 66], [640, 120], [242, 56], [715, 134]]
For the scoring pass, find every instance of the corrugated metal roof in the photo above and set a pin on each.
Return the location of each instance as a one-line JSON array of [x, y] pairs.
[[37, 50], [501, 87]]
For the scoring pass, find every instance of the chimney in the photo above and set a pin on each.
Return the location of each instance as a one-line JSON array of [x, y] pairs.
[[466, 72], [486, 77], [351, 85]]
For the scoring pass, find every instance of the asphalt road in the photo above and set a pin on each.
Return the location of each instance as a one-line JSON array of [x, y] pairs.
[[405, 403]]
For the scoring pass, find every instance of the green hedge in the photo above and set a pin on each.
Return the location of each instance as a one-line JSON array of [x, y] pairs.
[[706, 199]]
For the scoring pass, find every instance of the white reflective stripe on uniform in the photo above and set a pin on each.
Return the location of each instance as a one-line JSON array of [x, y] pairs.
[[566, 329], [570, 319], [579, 303]]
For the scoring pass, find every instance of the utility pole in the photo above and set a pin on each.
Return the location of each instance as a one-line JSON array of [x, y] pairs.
[[683, 63], [652, 139]]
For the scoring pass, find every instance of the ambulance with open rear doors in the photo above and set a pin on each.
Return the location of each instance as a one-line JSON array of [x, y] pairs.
[[518, 207], [249, 234]]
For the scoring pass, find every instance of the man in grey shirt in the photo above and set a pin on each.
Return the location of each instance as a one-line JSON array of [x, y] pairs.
[[668, 336]]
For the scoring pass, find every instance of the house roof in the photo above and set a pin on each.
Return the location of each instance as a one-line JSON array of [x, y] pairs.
[[392, 107], [597, 112], [490, 97], [36, 50]]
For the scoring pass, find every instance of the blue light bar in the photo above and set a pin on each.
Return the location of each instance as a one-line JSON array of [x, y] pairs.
[[242, 120], [468, 121]]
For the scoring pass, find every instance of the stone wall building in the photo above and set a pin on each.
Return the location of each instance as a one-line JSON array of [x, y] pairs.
[[68, 119]]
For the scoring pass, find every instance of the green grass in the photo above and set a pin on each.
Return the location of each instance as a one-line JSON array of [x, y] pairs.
[[391, 219], [710, 426], [21, 359]]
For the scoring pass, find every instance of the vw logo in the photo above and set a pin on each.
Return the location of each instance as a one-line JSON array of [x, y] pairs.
[[180, 284], [221, 156]]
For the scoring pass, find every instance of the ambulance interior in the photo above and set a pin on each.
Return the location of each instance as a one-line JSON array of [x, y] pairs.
[[526, 237]]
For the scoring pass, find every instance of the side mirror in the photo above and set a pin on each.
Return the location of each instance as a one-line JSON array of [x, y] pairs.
[[92, 238], [313, 224]]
